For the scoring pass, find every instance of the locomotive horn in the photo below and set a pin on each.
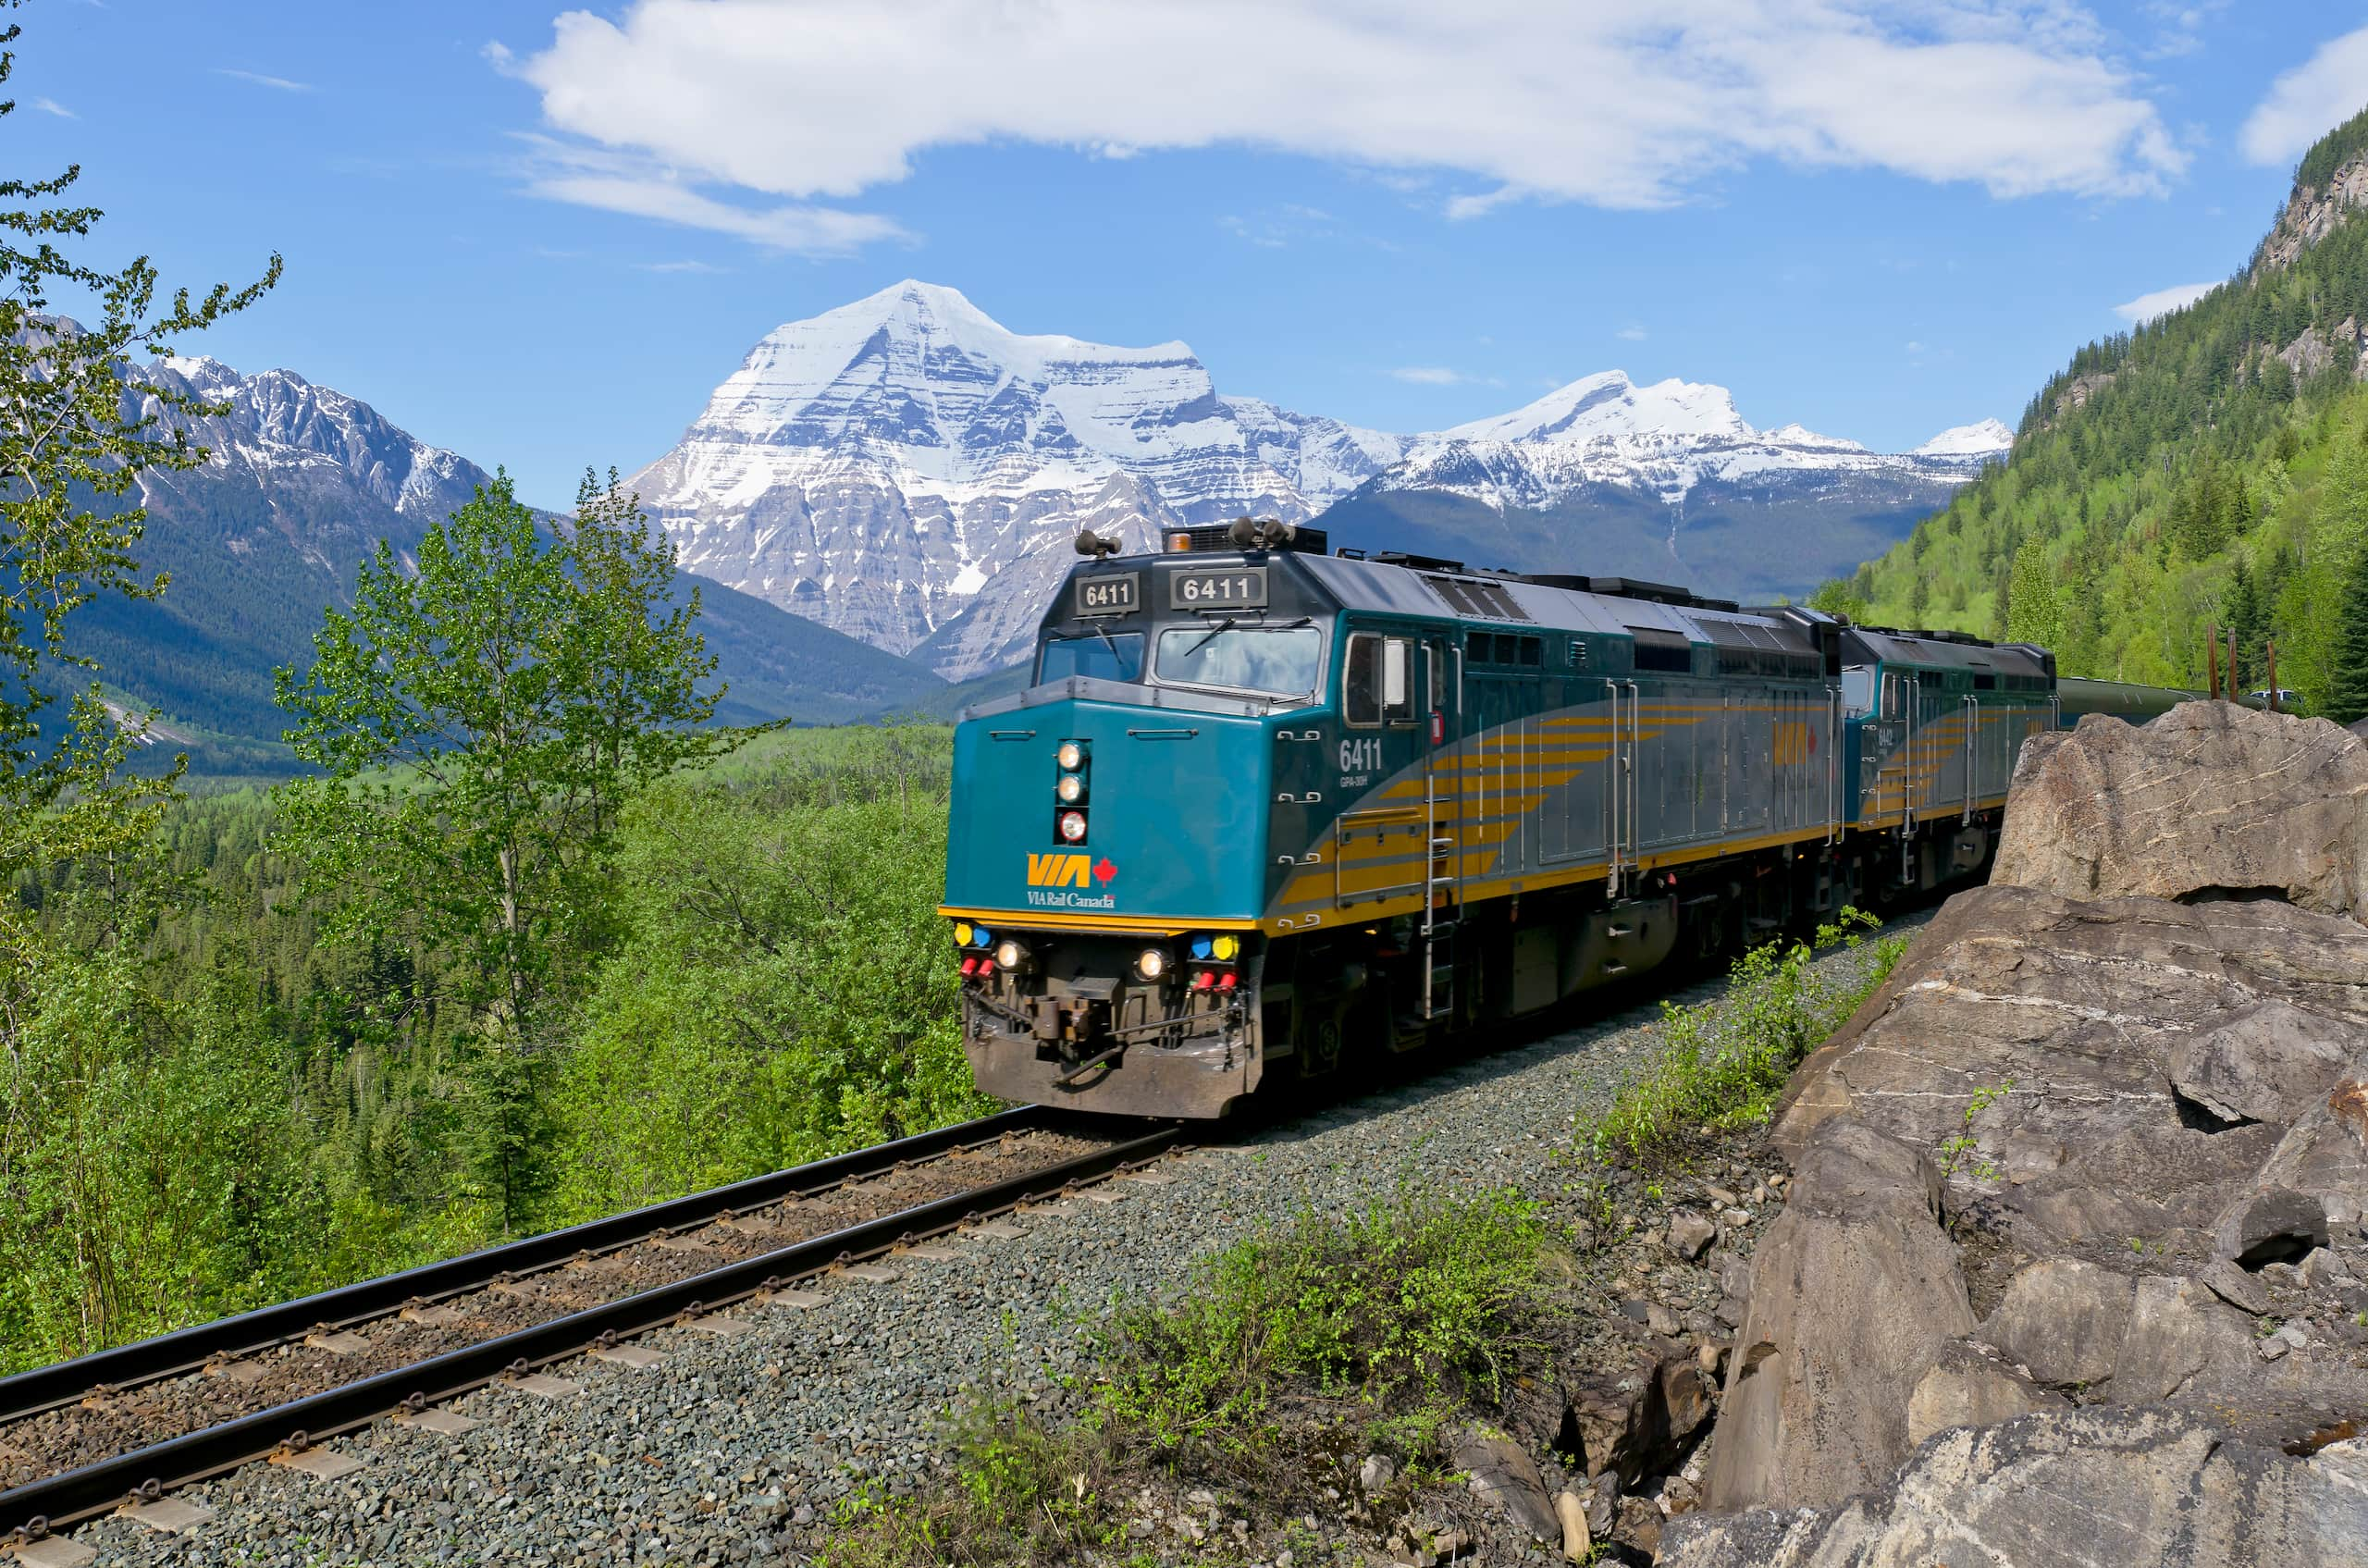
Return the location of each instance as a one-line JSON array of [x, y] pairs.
[[1096, 546], [1259, 533]]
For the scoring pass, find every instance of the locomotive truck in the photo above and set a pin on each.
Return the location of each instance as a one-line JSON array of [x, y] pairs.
[[1264, 809]]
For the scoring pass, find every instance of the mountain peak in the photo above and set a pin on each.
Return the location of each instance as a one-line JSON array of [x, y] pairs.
[[1608, 404], [924, 306], [1982, 438]]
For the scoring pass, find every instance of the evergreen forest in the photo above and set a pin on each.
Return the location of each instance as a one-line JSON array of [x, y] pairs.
[[2209, 468]]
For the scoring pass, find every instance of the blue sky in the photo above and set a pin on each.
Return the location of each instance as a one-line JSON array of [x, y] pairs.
[[540, 237]]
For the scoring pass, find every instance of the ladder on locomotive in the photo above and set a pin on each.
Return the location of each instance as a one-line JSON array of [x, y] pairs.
[[1443, 867]]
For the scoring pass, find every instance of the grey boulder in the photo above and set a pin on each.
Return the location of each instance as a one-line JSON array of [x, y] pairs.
[[1503, 1473], [2209, 796], [1854, 1291], [2066, 1489]]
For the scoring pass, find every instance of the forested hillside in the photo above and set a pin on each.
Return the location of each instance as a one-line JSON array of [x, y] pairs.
[[2208, 467]]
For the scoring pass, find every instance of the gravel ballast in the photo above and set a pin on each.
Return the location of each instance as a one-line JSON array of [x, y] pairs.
[[733, 1446]]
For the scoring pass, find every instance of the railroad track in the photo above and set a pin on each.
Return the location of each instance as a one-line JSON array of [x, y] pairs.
[[125, 1427]]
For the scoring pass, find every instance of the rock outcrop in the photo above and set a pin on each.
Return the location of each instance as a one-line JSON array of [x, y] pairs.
[[2122, 1486], [2209, 799], [2075, 1229], [1856, 1290]]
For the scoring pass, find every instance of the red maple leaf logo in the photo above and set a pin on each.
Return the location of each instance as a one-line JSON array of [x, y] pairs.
[[1106, 870]]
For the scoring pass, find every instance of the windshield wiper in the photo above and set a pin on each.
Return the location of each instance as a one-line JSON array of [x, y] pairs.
[[1104, 633], [1224, 625]]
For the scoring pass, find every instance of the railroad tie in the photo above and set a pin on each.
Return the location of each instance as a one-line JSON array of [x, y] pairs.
[[168, 1515]]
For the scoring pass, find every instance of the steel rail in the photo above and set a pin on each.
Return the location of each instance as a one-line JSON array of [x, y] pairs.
[[74, 1496], [188, 1350]]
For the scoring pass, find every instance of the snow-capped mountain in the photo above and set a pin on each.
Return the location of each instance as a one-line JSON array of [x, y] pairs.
[[296, 443], [1984, 441], [875, 466], [300, 482], [1664, 439], [906, 470]]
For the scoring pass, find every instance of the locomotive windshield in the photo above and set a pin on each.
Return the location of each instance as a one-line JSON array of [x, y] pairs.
[[1275, 661], [1109, 656]]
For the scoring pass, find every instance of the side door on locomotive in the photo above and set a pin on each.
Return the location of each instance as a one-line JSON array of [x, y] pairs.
[[1396, 835]]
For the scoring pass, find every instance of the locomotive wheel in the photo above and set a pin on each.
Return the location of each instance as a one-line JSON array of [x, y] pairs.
[[1322, 1053]]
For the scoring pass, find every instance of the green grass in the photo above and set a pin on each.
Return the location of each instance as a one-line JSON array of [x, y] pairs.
[[1401, 1313], [1721, 1064]]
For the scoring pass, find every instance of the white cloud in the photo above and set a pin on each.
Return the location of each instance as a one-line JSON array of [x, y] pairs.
[[2309, 100], [642, 188], [277, 84], [2161, 301], [1630, 333], [1618, 103], [1440, 376], [52, 106]]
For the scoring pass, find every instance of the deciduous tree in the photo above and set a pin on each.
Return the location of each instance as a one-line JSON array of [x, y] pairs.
[[479, 723], [80, 424]]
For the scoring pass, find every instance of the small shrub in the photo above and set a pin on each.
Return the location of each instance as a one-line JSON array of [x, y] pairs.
[[1412, 1297], [1962, 1153], [1404, 1306], [1720, 1064], [1024, 1492]]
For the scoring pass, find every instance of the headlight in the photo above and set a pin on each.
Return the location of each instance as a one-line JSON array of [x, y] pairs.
[[1071, 756], [1073, 826], [1010, 954], [1153, 963], [1071, 789]]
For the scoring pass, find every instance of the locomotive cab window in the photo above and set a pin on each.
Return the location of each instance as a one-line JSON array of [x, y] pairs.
[[1117, 655], [1272, 661], [1378, 686]]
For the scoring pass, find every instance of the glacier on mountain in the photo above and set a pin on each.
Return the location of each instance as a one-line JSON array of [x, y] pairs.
[[906, 470], [877, 466]]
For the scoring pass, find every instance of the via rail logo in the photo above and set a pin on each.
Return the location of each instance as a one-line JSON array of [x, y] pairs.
[[1055, 880]]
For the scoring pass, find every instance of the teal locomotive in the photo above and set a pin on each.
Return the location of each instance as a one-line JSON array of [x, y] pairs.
[[1265, 811]]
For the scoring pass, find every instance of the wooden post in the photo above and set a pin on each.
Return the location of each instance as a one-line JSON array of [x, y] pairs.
[[2212, 660], [2273, 677], [2236, 687]]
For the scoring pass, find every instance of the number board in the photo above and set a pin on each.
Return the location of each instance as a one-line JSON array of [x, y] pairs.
[[1111, 593], [1232, 587]]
